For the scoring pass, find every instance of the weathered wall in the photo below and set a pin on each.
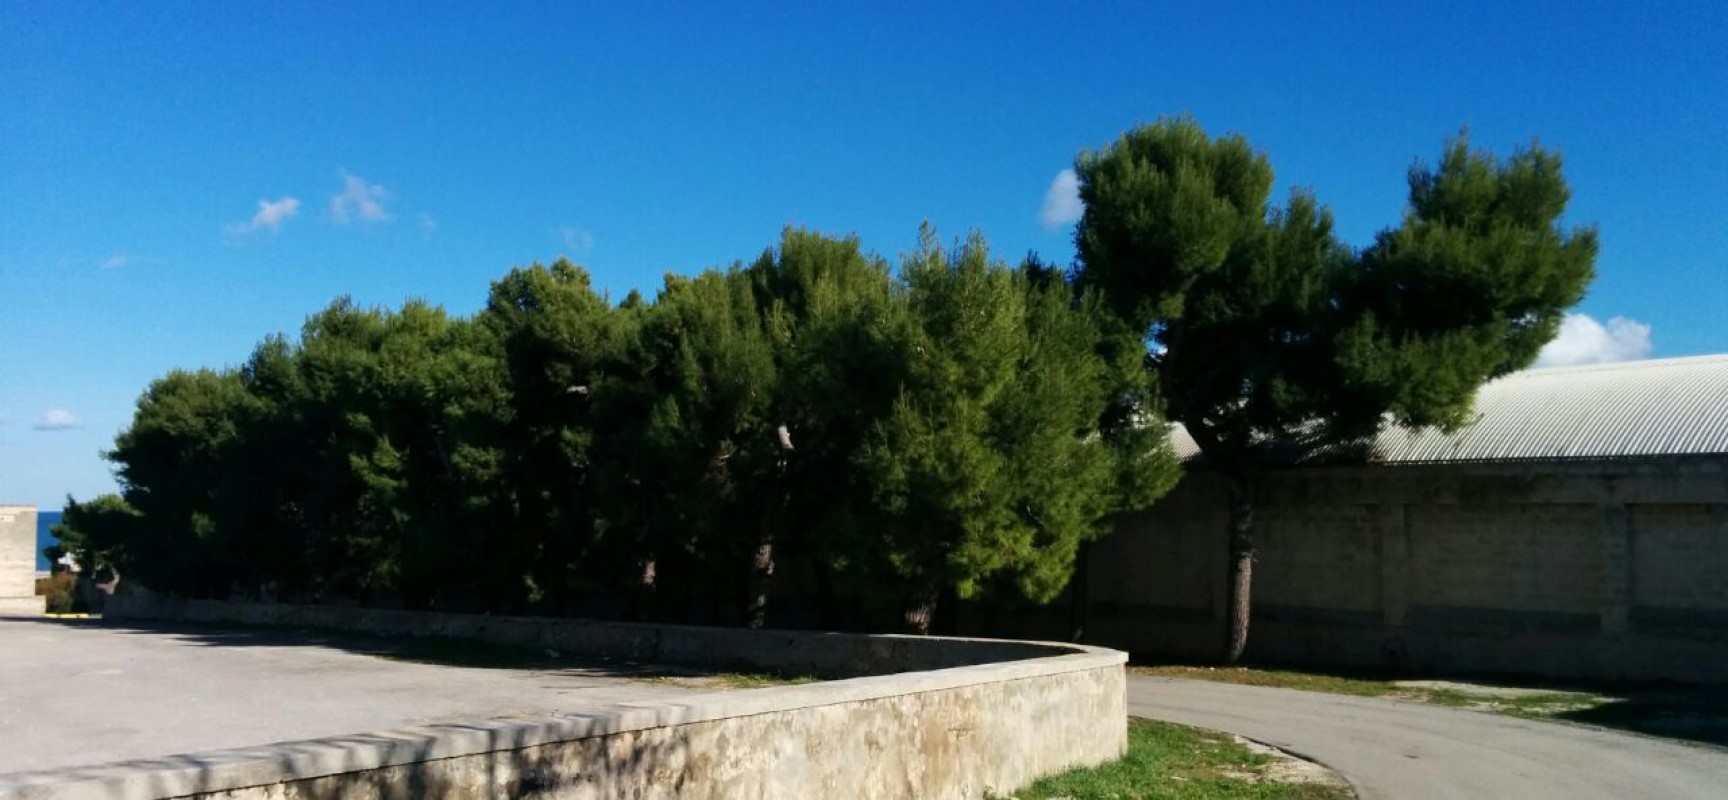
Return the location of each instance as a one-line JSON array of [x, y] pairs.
[[953, 721], [18, 561], [1614, 570]]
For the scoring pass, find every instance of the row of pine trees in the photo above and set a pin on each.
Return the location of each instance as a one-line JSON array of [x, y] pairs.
[[901, 434], [882, 436]]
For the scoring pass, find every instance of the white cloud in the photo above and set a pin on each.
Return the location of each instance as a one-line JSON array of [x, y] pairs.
[[576, 240], [358, 200], [427, 223], [58, 419], [117, 261], [1583, 340], [271, 214], [1061, 201]]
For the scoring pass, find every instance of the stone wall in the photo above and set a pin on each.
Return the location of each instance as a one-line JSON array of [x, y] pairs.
[[955, 718], [18, 561], [1609, 570]]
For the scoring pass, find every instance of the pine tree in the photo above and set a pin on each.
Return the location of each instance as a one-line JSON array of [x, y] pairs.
[[1265, 329]]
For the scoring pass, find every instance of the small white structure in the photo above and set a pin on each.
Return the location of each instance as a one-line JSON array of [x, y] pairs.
[[18, 562]]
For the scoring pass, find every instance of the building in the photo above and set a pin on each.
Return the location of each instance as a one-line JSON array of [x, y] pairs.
[[18, 561], [1577, 528]]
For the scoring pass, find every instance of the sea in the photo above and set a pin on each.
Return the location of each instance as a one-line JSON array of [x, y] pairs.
[[44, 539]]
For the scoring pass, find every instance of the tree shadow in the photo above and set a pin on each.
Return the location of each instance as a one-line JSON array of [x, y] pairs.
[[526, 757], [1682, 712], [500, 759], [446, 651], [1697, 715]]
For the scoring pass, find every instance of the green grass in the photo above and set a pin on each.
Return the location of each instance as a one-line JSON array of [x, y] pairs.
[[1687, 714], [1174, 762], [726, 680], [1534, 703], [758, 680], [1276, 678]]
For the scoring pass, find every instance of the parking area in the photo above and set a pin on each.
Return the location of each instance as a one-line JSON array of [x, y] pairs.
[[78, 692]]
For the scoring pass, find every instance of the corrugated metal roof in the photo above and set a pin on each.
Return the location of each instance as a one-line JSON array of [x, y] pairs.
[[1665, 407]]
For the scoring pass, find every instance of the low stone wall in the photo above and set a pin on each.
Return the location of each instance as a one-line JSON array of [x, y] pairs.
[[956, 718], [833, 655]]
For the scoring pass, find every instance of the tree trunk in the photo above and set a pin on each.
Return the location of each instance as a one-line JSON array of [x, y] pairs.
[[922, 612], [642, 594], [1241, 535], [761, 578]]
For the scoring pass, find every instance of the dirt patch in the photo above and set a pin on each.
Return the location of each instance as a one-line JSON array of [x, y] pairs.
[[1283, 767]]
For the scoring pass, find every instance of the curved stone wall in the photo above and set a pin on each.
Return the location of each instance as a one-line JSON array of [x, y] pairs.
[[927, 717]]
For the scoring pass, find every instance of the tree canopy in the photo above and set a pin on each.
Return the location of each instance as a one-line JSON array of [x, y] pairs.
[[1265, 330], [896, 436]]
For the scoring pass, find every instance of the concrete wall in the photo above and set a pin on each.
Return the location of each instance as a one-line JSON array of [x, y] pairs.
[[1609, 570], [956, 718], [18, 561]]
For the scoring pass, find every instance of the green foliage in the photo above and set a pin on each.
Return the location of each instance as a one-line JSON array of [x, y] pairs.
[[994, 460], [1267, 328], [1468, 288], [955, 426], [687, 430], [1166, 761], [59, 592], [1266, 331], [95, 532]]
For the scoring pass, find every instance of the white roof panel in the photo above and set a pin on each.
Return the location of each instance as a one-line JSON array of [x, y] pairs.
[[1665, 407]]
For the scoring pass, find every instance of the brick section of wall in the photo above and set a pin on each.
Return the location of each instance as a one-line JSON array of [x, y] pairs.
[[1680, 557], [1326, 558], [1517, 558], [1614, 569], [1163, 560]]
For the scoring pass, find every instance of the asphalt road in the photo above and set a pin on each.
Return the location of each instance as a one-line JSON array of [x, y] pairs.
[[80, 693], [1409, 751]]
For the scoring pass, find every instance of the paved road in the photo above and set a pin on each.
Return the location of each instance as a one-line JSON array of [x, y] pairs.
[[80, 693], [1393, 749]]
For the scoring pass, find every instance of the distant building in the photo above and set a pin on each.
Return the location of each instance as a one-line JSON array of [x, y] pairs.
[[18, 561]]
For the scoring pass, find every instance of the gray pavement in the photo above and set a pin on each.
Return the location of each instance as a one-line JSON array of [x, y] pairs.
[[75, 693], [1396, 749]]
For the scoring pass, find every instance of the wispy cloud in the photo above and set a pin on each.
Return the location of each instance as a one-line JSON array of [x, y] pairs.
[[58, 419], [576, 239], [1061, 201], [271, 214], [358, 201], [1583, 340], [117, 261], [427, 223]]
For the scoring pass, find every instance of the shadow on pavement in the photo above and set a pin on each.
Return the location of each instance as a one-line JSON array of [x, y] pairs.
[[1696, 715], [434, 650], [1688, 713]]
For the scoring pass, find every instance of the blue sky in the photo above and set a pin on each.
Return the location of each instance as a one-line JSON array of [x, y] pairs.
[[177, 181]]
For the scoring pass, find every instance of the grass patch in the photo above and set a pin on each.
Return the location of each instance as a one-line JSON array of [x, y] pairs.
[[60, 589], [1688, 714], [1276, 678], [730, 680], [1176, 762]]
